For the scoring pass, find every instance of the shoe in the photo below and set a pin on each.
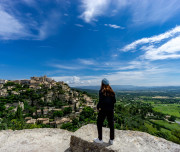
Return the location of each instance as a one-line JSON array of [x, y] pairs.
[[110, 142], [98, 141]]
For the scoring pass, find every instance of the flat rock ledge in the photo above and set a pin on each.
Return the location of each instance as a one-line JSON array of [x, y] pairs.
[[125, 141], [58, 140]]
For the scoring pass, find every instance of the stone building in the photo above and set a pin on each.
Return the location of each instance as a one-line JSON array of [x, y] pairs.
[[3, 81], [43, 121]]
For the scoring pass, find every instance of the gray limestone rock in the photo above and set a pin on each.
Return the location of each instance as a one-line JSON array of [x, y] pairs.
[[58, 140], [125, 141]]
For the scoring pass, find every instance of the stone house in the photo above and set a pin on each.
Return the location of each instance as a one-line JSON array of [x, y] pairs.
[[21, 104], [1, 86], [31, 121], [59, 109], [28, 118], [3, 81], [3, 93], [38, 112], [45, 112], [43, 121], [15, 92], [26, 81], [16, 81], [10, 87]]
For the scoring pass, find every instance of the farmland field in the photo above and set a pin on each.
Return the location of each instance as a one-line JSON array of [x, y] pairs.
[[170, 109]]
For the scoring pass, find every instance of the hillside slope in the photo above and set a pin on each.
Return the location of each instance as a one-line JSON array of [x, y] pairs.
[[48, 140]]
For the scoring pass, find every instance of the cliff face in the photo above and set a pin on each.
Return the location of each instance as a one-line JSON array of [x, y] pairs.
[[52, 140]]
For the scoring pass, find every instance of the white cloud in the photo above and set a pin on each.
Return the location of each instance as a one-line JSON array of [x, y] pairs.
[[17, 25], [30, 2], [146, 11], [10, 27], [87, 61], [147, 77], [114, 26], [159, 47], [47, 28], [154, 39], [70, 67], [79, 25], [71, 80], [169, 50], [93, 8]]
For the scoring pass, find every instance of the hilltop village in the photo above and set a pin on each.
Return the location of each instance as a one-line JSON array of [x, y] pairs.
[[41, 100]]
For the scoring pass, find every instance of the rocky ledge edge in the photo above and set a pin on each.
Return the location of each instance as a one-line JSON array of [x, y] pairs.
[[58, 140]]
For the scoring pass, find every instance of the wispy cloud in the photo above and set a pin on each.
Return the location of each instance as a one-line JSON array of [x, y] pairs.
[[114, 26], [169, 50], [79, 25], [145, 11], [10, 27], [70, 67], [144, 77], [148, 11], [159, 47], [18, 25], [154, 39], [93, 8], [71, 80], [87, 61]]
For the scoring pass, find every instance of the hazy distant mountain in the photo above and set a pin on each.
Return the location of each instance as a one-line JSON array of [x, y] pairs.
[[133, 88]]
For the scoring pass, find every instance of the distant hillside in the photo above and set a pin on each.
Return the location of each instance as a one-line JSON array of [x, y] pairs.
[[133, 88]]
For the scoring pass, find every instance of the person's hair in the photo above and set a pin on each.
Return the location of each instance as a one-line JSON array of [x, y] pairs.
[[107, 90]]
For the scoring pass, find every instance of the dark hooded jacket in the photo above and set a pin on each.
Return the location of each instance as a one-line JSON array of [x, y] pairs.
[[106, 102]]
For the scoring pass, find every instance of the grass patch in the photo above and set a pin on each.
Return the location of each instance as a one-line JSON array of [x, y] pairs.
[[166, 125], [170, 109]]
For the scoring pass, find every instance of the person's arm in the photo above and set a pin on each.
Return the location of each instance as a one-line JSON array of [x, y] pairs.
[[100, 101]]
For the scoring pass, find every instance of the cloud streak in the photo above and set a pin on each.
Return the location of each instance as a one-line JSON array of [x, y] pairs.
[[154, 39], [93, 8], [16, 25], [10, 27], [114, 26], [159, 47], [145, 11]]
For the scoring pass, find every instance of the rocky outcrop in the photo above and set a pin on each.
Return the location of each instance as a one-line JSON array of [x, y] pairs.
[[57, 140], [35, 140], [125, 141]]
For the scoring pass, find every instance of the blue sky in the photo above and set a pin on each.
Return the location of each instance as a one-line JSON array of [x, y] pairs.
[[130, 42]]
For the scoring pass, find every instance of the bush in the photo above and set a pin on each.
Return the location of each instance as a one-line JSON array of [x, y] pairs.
[[176, 133], [87, 113], [172, 118], [67, 110], [67, 126], [58, 114], [162, 134]]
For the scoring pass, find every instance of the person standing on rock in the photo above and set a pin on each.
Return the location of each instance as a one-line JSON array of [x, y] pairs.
[[105, 109]]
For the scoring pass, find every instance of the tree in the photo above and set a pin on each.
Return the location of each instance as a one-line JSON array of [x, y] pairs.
[[19, 113], [67, 126], [87, 113], [176, 133], [172, 118], [67, 110], [58, 114]]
